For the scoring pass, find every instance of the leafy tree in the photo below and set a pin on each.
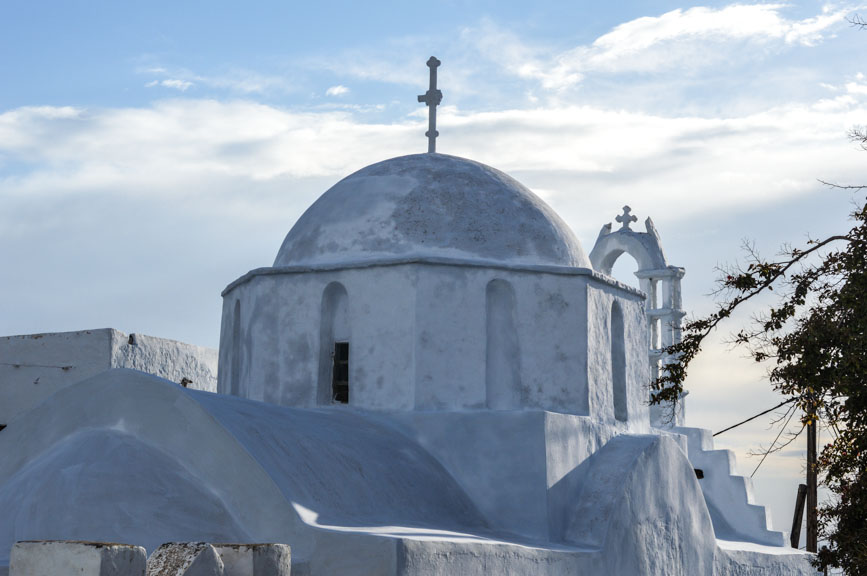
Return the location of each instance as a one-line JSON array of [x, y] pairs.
[[815, 336]]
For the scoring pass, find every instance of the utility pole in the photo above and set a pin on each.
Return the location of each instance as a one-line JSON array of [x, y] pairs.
[[812, 479]]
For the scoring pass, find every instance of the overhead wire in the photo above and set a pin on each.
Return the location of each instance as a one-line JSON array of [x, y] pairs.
[[790, 400], [791, 412]]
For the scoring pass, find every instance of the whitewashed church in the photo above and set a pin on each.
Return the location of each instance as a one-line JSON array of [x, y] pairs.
[[433, 378]]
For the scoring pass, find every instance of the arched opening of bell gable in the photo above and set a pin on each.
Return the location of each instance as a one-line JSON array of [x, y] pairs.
[[624, 270]]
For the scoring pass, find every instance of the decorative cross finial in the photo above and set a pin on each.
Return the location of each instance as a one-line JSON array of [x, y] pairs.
[[432, 98], [626, 218]]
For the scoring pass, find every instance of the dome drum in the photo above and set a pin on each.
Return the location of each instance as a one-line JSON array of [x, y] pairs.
[[433, 283]]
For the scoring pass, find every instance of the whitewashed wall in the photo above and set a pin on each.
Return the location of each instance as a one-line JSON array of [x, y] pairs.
[[600, 300], [35, 366], [421, 335]]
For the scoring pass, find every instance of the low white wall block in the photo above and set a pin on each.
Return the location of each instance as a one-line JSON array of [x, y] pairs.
[[185, 559], [255, 559], [61, 557]]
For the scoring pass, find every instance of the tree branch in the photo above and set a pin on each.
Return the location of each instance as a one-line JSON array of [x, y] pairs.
[[842, 187]]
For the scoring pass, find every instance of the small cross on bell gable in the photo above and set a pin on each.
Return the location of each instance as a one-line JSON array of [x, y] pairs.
[[626, 218]]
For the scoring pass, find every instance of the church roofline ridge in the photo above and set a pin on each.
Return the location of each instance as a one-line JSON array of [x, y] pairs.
[[432, 261]]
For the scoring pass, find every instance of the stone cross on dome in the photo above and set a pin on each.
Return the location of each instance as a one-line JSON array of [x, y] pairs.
[[432, 98], [626, 218]]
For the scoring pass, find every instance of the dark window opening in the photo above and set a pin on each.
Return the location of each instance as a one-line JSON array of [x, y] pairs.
[[340, 373]]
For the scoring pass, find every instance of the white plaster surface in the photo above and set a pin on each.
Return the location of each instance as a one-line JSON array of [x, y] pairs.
[[600, 301], [255, 559], [739, 559], [396, 493], [35, 366], [483, 434], [645, 247], [430, 205], [420, 338], [234, 471], [729, 497], [237, 559], [458, 289], [68, 558], [169, 359], [661, 285]]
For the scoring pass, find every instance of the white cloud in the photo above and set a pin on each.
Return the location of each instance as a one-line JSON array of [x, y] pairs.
[[510, 52], [338, 90], [850, 94], [401, 61], [247, 82], [856, 88], [177, 144], [160, 149], [398, 61], [839, 103], [175, 83], [761, 22], [679, 39], [240, 81], [181, 85], [684, 41]]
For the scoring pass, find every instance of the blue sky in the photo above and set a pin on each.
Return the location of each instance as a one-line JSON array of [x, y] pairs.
[[151, 152]]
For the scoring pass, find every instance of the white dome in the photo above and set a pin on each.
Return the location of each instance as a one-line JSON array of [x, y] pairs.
[[430, 206]]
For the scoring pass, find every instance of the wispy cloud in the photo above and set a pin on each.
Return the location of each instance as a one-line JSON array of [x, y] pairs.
[[158, 149], [395, 62], [400, 62], [848, 94], [238, 81], [175, 83], [755, 158], [506, 49], [679, 39], [755, 22], [338, 90]]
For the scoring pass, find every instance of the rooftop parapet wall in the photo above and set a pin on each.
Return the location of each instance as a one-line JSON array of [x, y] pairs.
[[35, 366], [169, 359]]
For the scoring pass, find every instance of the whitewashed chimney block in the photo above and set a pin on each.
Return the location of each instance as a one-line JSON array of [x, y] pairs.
[[185, 559], [255, 559], [60, 557]]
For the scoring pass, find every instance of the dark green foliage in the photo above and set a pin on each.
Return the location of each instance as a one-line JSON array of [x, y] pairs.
[[816, 338]]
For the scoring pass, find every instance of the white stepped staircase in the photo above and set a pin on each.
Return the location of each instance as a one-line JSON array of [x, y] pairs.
[[729, 497]]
